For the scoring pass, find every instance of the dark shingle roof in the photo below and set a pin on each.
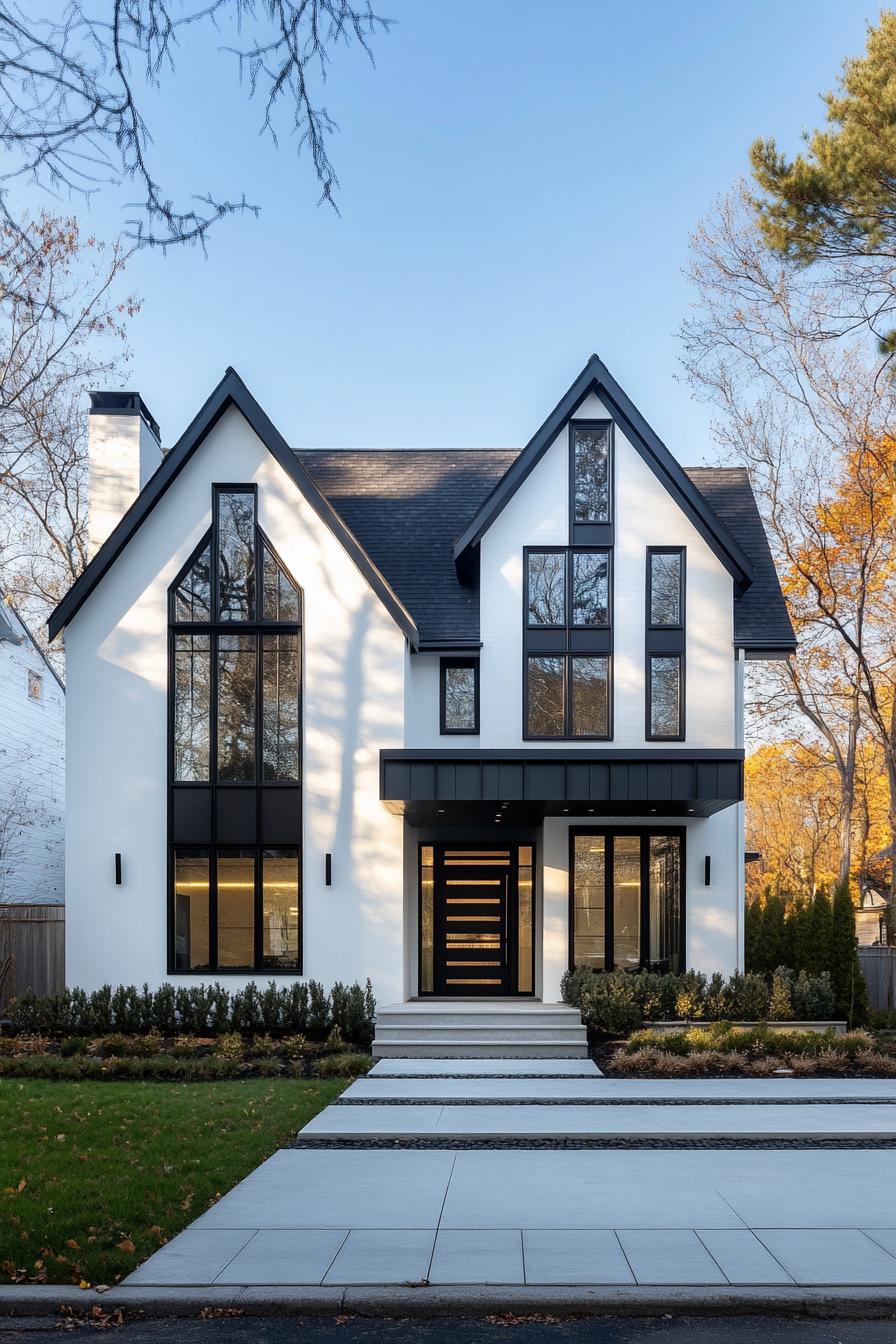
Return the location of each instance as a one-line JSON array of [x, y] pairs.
[[407, 508], [760, 614]]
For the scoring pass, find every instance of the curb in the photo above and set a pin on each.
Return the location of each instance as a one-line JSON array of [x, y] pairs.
[[467, 1301]]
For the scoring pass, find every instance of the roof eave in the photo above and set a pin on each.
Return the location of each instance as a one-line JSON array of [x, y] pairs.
[[595, 377], [231, 391]]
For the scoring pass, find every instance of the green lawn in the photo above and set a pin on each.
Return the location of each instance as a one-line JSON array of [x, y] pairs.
[[96, 1176]]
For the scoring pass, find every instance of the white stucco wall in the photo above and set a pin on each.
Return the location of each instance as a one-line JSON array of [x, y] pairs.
[[353, 705], [645, 515]]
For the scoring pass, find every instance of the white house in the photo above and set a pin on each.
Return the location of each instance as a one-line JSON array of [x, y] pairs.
[[451, 720], [32, 769]]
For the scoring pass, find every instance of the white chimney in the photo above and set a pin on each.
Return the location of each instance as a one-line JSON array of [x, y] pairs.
[[124, 450]]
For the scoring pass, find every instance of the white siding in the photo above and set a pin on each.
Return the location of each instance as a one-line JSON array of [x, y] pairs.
[[354, 662], [32, 759]]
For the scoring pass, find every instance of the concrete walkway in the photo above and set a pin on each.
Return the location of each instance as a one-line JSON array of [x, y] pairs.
[[449, 1215]]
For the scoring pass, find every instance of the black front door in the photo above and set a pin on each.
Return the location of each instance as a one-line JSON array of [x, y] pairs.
[[475, 916]]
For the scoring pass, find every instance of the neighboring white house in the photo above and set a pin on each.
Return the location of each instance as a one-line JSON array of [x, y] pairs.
[[451, 720], [32, 769]]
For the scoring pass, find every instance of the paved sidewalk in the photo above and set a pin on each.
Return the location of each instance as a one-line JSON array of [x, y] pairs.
[[736, 1216]]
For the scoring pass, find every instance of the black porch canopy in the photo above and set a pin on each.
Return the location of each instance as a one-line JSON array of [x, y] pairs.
[[522, 787]]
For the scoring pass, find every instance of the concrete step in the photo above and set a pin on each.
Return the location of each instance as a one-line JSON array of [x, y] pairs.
[[565, 1121], [482, 1032], [422, 1047], [399, 1070], [489, 1016]]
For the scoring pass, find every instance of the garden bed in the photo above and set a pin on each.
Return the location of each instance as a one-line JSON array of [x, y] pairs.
[[152, 1057], [724, 1049], [820, 1028]]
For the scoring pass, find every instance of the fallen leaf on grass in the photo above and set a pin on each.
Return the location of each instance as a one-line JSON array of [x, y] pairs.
[[127, 1246]]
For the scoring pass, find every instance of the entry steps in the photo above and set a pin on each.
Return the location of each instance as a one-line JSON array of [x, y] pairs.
[[477, 1029]]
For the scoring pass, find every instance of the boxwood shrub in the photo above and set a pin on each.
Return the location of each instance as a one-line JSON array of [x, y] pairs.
[[201, 1010], [614, 1003]]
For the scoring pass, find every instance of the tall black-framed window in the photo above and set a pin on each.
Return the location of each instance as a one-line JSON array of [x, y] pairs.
[[458, 695], [664, 672], [234, 759], [591, 453], [627, 898], [567, 643]]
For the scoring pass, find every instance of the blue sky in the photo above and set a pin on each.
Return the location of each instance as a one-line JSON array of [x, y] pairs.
[[518, 183]]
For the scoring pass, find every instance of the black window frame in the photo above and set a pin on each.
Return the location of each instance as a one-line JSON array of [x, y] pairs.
[[645, 833], [567, 641], [665, 641], [252, 800], [681, 552], [596, 532], [444, 665]]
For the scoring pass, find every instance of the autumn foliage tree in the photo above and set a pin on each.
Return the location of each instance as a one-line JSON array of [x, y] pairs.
[[813, 423]]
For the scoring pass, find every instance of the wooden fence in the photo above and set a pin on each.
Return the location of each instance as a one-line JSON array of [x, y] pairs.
[[879, 967], [32, 949]]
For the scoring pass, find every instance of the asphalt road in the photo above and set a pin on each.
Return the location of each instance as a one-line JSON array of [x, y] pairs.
[[523, 1330]]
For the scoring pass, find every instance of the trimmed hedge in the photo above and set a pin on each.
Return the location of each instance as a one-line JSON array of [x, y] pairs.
[[616, 1003], [202, 1010]]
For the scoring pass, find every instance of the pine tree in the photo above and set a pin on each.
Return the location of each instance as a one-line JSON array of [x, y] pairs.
[[818, 942], [846, 972], [752, 934], [834, 203], [773, 937], [799, 924]]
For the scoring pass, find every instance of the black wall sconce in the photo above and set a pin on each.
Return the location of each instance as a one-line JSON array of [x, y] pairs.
[[118, 870], [328, 870], [707, 862]]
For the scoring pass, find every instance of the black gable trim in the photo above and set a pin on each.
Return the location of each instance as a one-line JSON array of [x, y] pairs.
[[595, 377], [231, 391]]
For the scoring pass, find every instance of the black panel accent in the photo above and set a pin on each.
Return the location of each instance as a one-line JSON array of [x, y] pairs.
[[235, 816], [191, 815], [550, 782], [280, 815]]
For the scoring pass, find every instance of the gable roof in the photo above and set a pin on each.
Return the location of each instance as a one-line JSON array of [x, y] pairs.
[[231, 391], [406, 506], [596, 378], [761, 619]]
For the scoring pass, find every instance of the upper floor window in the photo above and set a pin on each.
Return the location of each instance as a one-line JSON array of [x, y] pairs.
[[591, 471], [665, 575], [569, 586], [459, 695], [35, 685], [235, 673], [567, 643], [665, 643]]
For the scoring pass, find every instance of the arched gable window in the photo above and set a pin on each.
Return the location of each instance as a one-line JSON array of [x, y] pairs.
[[235, 750]]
